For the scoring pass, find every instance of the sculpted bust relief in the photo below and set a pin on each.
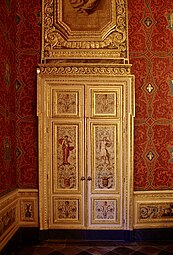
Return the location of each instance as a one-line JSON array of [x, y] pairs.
[[84, 6]]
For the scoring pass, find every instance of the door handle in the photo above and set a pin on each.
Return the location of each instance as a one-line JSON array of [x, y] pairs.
[[89, 178], [82, 178]]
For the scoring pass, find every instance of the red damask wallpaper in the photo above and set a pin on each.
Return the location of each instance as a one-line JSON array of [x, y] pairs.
[[151, 56], [28, 43], [8, 180]]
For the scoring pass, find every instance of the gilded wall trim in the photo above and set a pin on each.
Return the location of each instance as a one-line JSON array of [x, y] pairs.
[[28, 204], [153, 209], [115, 70], [18, 208], [9, 217]]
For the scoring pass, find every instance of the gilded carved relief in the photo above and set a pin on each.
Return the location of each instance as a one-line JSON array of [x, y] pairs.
[[154, 209], [7, 219], [155, 212], [110, 71], [98, 25]]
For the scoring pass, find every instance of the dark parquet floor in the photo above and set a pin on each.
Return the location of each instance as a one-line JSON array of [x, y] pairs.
[[96, 248]]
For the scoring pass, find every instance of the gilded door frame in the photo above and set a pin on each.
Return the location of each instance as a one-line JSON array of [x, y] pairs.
[[45, 74]]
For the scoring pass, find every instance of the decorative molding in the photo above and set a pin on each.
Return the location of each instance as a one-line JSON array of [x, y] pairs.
[[18, 208], [115, 70], [28, 207], [153, 209], [99, 31], [155, 212], [9, 220]]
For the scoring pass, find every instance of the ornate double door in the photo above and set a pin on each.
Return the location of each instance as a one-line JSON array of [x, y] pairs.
[[85, 168], [85, 116]]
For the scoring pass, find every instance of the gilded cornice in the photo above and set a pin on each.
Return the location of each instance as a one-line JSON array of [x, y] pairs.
[[86, 70]]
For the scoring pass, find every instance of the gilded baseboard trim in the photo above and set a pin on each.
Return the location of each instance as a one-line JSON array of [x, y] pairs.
[[18, 208]]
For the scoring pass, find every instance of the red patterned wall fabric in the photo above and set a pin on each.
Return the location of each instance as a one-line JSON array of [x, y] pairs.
[[8, 179], [151, 55], [28, 45]]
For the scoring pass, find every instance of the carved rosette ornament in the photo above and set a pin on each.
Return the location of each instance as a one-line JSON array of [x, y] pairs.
[[88, 26]]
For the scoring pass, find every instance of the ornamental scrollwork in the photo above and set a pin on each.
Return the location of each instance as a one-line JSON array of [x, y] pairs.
[[160, 211], [61, 70], [115, 37]]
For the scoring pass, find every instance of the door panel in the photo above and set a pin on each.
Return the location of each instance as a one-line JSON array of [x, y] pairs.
[[67, 187], [104, 101], [67, 167], [105, 169], [67, 101], [104, 129], [67, 156], [67, 211], [105, 160], [105, 212]]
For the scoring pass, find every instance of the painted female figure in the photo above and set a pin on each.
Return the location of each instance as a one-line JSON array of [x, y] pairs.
[[66, 148]]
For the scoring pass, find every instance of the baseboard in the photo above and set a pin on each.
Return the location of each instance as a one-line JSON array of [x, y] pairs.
[[12, 244], [22, 237], [86, 235], [162, 234]]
